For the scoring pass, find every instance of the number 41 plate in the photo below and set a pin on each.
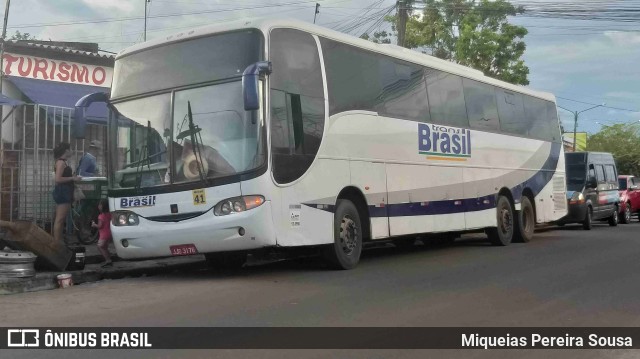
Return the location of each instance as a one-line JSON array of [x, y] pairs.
[[183, 250]]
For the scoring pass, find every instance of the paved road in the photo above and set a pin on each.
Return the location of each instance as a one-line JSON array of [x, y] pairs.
[[564, 277]]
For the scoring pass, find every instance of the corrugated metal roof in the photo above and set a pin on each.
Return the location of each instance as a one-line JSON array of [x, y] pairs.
[[57, 48]]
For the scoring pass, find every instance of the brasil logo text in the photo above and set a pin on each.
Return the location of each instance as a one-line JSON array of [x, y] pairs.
[[444, 143]]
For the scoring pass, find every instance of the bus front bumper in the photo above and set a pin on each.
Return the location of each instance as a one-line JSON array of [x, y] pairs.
[[207, 232]]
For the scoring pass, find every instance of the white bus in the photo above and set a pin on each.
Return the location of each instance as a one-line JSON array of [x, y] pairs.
[[276, 133]]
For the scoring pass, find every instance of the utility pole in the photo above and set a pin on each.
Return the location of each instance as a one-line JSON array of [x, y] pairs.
[[402, 11], [145, 18], [575, 120], [316, 13], [4, 35]]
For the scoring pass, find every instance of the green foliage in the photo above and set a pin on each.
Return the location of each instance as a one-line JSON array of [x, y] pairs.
[[623, 141], [22, 36], [379, 37], [472, 33]]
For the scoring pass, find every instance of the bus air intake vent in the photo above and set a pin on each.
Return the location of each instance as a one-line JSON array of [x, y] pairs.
[[175, 217]]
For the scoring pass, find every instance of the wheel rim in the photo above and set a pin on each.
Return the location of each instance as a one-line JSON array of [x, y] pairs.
[[348, 235], [506, 220]]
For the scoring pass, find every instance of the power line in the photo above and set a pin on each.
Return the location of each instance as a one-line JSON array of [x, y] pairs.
[[160, 29], [97, 21], [595, 104]]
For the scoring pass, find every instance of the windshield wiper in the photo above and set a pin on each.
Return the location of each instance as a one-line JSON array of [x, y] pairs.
[[196, 141], [143, 160]]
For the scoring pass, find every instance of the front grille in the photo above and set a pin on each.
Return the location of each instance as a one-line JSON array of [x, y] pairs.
[[175, 217]]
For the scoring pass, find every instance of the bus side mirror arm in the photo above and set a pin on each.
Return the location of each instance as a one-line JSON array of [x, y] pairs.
[[250, 77], [79, 116]]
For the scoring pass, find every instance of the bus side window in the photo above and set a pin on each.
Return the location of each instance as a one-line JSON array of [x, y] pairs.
[[446, 98], [536, 119], [297, 103], [481, 105], [358, 79], [511, 111], [553, 123]]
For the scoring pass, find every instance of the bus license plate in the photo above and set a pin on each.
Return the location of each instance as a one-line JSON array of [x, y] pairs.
[[183, 250]]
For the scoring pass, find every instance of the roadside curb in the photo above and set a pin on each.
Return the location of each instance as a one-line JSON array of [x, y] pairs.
[[94, 273]]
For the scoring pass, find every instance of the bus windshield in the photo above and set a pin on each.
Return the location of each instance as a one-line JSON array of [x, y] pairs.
[[218, 139], [197, 129]]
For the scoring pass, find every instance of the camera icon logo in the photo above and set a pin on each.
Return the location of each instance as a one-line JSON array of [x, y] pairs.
[[23, 338]]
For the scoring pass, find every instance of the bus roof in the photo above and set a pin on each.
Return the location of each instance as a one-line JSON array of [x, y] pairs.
[[266, 24]]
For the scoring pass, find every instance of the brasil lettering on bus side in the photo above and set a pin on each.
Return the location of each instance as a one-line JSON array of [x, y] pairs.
[[444, 143], [144, 201]]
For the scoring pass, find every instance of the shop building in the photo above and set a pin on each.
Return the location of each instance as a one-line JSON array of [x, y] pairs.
[[42, 82]]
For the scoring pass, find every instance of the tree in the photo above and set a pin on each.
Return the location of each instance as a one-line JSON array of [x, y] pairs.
[[379, 37], [22, 36], [623, 141], [472, 33]]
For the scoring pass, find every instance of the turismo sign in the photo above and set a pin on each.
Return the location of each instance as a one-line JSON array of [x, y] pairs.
[[56, 70]]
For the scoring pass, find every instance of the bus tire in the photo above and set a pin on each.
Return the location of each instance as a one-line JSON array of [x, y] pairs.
[[526, 222], [226, 261], [345, 251], [502, 235]]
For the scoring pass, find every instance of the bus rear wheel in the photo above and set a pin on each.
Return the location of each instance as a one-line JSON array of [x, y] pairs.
[[502, 235], [345, 251], [526, 222]]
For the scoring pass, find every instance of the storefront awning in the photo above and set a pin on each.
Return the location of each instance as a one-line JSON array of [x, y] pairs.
[[61, 94], [8, 101]]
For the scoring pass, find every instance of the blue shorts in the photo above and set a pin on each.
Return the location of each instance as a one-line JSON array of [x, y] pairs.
[[63, 194]]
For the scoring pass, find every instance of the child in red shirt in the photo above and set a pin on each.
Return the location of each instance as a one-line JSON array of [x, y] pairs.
[[104, 231]]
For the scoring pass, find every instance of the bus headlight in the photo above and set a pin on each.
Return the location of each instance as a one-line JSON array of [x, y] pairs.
[[237, 205], [577, 198], [125, 218]]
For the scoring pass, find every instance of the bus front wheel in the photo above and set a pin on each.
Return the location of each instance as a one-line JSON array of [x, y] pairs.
[[345, 251], [502, 235]]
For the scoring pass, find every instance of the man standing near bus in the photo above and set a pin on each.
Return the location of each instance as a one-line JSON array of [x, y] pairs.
[[87, 167]]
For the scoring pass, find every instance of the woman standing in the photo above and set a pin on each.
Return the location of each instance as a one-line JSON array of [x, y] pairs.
[[63, 190]]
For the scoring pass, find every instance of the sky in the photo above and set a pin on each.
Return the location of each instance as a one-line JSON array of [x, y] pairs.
[[586, 52]]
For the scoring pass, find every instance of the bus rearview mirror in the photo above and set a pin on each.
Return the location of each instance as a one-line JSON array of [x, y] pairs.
[[592, 182], [79, 126], [250, 90]]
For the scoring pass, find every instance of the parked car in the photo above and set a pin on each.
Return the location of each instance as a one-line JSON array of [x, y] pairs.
[[629, 197], [592, 188]]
